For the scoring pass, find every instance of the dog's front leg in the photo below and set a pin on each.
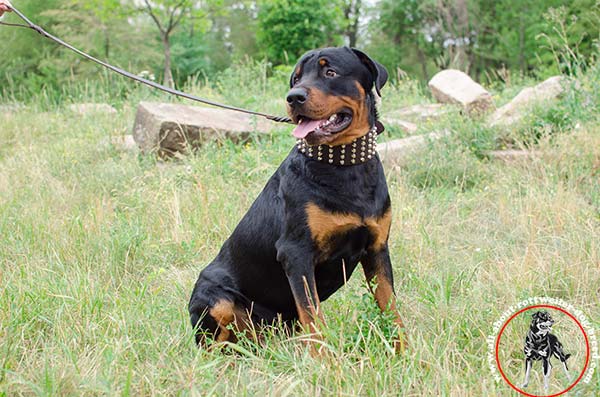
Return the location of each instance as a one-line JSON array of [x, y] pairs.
[[528, 363], [299, 269], [378, 268]]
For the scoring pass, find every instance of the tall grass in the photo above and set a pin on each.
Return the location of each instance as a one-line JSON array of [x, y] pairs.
[[100, 249]]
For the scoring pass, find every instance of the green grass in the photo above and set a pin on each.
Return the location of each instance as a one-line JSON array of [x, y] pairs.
[[100, 249]]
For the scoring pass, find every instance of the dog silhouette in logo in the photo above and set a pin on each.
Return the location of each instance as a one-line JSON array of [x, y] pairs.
[[540, 344]]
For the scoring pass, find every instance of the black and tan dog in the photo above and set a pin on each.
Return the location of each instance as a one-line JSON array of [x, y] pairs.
[[325, 209], [540, 344]]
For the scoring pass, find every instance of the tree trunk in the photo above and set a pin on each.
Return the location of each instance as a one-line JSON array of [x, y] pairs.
[[522, 65], [168, 75], [106, 44], [422, 60], [352, 15]]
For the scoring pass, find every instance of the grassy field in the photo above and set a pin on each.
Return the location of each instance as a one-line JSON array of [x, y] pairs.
[[100, 248]]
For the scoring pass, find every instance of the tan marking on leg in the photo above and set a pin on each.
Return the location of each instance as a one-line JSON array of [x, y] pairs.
[[380, 229], [324, 224], [386, 300], [309, 318], [224, 313], [309, 314]]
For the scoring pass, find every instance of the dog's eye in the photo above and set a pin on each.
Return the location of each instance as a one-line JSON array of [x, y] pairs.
[[295, 80], [330, 73]]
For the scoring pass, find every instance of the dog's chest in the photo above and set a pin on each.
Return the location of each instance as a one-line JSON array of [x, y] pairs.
[[345, 233]]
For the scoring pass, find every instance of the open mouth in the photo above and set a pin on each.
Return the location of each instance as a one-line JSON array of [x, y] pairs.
[[336, 123]]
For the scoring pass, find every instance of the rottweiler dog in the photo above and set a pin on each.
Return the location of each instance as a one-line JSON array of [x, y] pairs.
[[325, 209], [540, 344]]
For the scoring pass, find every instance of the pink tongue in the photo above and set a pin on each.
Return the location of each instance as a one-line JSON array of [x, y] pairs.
[[305, 128]]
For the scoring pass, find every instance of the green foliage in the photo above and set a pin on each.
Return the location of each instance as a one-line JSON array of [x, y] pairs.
[[480, 36], [288, 28], [191, 55], [502, 40]]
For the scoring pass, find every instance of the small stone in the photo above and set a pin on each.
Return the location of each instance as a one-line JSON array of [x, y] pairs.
[[92, 108]]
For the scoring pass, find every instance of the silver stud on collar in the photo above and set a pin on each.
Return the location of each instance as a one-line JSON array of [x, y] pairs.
[[362, 150]]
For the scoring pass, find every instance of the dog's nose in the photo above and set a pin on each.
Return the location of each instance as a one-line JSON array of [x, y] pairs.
[[297, 96]]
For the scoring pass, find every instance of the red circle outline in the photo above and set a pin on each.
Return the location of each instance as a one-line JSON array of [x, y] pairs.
[[587, 356]]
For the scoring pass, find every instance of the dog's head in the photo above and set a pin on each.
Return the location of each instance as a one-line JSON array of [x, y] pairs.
[[541, 322], [331, 95]]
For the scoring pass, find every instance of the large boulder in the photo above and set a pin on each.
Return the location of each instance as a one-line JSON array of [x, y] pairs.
[[454, 86], [514, 111], [92, 108], [168, 129], [398, 151]]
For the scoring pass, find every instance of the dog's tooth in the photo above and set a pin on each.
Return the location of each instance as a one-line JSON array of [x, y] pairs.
[[333, 117]]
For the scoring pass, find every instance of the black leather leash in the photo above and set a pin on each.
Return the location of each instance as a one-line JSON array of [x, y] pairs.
[[40, 30]]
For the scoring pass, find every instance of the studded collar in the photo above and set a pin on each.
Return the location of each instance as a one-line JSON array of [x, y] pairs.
[[358, 151]]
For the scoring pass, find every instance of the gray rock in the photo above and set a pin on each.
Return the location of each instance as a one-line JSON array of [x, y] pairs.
[[511, 155], [514, 111], [10, 108], [92, 108], [454, 86], [398, 151], [406, 126], [169, 129], [124, 142], [423, 113]]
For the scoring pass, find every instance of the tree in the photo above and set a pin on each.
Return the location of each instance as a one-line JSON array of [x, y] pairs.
[[403, 33], [167, 15], [288, 28], [352, 13]]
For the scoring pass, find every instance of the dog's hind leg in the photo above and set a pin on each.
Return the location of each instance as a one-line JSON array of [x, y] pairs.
[[560, 353], [547, 370], [564, 363], [528, 363]]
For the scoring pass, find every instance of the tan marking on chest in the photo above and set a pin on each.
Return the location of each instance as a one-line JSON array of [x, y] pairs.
[[380, 229], [324, 225]]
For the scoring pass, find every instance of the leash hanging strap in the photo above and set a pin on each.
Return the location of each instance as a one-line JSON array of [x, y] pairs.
[[40, 30]]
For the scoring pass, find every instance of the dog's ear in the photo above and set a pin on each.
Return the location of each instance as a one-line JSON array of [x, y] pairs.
[[378, 71], [536, 315]]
